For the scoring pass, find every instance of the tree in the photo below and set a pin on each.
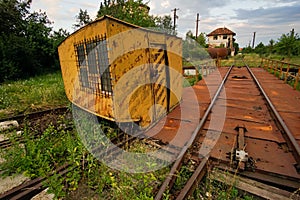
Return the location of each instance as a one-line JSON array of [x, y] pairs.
[[236, 48], [271, 46], [193, 50], [247, 49], [200, 39], [134, 11], [260, 49], [12, 13], [287, 44], [56, 38], [82, 19], [37, 33], [26, 45], [164, 24]]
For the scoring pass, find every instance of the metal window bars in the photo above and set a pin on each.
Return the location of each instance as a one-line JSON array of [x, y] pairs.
[[93, 65]]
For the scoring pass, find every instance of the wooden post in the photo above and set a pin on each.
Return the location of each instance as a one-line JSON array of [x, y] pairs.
[[271, 65], [287, 73], [297, 79], [267, 65], [281, 70], [197, 74], [276, 68]]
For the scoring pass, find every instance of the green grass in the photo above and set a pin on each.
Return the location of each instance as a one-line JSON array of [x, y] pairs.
[[293, 59], [252, 60], [89, 178], [282, 77], [40, 92]]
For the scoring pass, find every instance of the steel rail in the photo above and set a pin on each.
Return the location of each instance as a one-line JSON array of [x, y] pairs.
[[287, 133], [168, 181], [35, 114], [32, 187], [200, 170]]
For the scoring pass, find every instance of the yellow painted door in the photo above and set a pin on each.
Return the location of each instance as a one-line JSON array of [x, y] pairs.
[[160, 80]]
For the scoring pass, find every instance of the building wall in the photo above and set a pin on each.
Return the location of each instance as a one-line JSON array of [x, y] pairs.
[[219, 40], [141, 75], [100, 104]]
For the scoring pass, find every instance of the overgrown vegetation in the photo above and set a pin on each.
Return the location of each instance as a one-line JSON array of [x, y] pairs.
[[224, 189], [250, 59], [36, 93], [288, 45], [134, 12], [28, 45], [88, 177], [290, 81]]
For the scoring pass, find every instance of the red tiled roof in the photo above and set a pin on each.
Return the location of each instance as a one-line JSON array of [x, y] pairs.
[[221, 31]]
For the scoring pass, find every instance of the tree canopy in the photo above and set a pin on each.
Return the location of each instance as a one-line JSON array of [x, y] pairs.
[[81, 19], [135, 12], [287, 45], [27, 45]]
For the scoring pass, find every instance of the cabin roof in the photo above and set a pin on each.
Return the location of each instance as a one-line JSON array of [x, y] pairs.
[[221, 31], [122, 22]]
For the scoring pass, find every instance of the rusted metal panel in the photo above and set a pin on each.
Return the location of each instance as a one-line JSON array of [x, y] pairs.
[[174, 52]]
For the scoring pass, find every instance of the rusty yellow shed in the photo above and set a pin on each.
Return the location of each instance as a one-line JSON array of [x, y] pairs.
[[122, 72]]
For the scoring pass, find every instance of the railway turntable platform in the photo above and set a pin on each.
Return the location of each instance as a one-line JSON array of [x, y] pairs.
[[239, 131], [285, 99]]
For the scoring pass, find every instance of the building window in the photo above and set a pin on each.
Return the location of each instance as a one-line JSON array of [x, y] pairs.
[[224, 37], [215, 37], [93, 66]]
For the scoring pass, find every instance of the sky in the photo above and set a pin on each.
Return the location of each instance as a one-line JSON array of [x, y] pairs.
[[268, 18]]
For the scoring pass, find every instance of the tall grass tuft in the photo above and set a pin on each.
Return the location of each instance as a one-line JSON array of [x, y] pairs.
[[37, 93]]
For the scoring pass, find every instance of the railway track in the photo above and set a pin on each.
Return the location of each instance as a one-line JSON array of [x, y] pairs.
[[254, 142], [36, 123], [29, 118], [250, 139], [30, 188]]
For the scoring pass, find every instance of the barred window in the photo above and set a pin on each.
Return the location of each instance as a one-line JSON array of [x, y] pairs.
[[91, 55], [82, 65], [103, 65], [93, 65]]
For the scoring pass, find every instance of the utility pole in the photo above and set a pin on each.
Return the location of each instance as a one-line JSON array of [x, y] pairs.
[[197, 25], [175, 17], [253, 41]]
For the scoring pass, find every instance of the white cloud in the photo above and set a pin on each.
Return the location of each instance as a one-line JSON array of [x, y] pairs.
[[165, 4], [270, 18]]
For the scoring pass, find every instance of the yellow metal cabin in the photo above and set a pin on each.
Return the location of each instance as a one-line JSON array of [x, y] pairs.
[[122, 72]]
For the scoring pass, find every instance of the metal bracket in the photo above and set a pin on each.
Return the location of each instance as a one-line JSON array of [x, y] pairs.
[[239, 155]]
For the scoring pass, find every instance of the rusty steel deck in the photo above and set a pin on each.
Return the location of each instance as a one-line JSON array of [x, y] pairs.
[[240, 121]]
